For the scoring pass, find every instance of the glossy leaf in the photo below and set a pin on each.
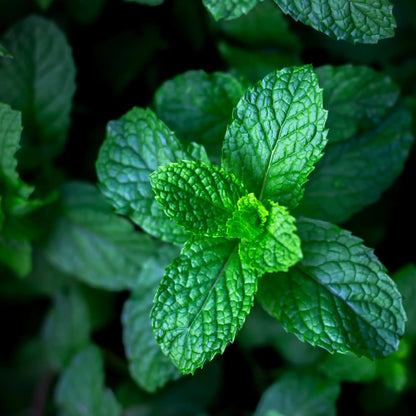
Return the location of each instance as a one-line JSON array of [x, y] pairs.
[[229, 9], [363, 21], [277, 135], [339, 297]]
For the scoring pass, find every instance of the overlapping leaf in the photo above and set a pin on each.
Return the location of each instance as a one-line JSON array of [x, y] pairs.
[[229, 9], [200, 197]]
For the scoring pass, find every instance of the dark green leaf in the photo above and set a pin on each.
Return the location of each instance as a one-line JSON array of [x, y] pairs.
[[338, 297], [39, 82], [198, 106], [364, 21], [92, 243], [81, 391], [300, 393], [229, 9]]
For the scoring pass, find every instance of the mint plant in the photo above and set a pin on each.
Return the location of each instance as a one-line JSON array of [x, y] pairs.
[[239, 227]]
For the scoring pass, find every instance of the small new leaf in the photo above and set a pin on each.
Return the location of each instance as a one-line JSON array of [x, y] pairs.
[[200, 197], [363, 21], [202, 302], [277, 135], [338, 297], [277, 248]]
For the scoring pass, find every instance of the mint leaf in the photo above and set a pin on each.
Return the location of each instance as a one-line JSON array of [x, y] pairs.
[[229, 9], [39, 82], [16, 253], [135, 146], [277, 248], [198, 106], [92, 243], [356, 97], [66, 329], [149, 367], [277, 135], [300, 393], [248, 219], [338, 297], [200, 197], [363, 21], [354, 173], [80, 390], [4, 53], [203, 300]]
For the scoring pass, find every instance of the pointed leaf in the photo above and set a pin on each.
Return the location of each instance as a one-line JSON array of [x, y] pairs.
[[39, 82], [364, 21], [338, 297], [200, 197], [80, 390], [92, 243], [229, 9], [202, 302], [277, 248], [135, 146], [277, 135]]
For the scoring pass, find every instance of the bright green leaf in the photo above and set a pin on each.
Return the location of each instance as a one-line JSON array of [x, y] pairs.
[[363, 21], [16, 254], [149, 367], [229, 9], [66, 328], [135, 146], [300, 393], [202, 302], [198, 106], [80, 390], [354, 173], [200, 197], [39, 82], [356, 97], [277, 135], [92, 243], [248, 219], [338, 297], [277, 248]]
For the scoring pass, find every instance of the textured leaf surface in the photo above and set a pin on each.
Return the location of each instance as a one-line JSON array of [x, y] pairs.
[[39, 82], [66, 329], [229, 9], [198, 106], [149, 367], [80, 390], [200, 197], [354, 173], [338, 297], [300, 393], [363, 21], [277, 248], [202, 301], [277, 134], [94, 244], [135, 146], [355, 97]]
